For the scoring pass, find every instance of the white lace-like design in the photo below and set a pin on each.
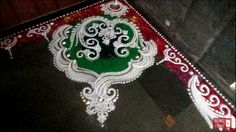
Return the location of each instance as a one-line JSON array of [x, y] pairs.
[[207, 102], [99, 97]]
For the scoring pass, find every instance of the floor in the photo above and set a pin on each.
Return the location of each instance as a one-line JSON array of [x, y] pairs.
[[34, 99], [204, 30]]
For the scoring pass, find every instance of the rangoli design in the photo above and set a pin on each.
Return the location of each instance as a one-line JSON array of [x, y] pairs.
[[101, 51], [110, 43]]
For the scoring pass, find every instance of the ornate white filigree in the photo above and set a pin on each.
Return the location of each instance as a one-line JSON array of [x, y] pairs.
[[91, 33], [7, 44], [114, 8], [42, 30], [110, 34], [170, 56], [99, 97], [208, 104]]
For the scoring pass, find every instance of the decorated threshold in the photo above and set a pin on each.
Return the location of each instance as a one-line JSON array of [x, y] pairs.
[[108, 43]]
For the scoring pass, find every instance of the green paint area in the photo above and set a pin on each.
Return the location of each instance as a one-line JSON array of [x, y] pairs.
[[108, 60], [113, 64]]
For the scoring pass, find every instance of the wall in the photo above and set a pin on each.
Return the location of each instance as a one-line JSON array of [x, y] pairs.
[[13, 12]]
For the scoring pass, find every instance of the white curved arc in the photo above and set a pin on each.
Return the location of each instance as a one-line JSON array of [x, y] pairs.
[[63, 63], [58, 37], [80, 74]]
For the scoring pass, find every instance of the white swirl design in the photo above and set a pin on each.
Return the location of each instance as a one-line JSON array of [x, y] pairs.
[[42, 30], [208, 104], [7, 44], [108, 31], [170, 56]]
